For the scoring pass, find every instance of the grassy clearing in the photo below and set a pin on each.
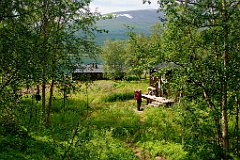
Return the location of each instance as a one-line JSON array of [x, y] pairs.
[[97, 122]]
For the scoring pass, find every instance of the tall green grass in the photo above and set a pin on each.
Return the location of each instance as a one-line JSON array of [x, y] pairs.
[[169, 150], [118, 97], [95, 123], [100, 144]]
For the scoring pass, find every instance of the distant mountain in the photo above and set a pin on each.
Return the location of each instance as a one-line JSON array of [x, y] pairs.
[[140, 20]]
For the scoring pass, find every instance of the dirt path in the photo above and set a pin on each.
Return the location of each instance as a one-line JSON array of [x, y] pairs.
[[143, 154], [140, 153], [140, 114]]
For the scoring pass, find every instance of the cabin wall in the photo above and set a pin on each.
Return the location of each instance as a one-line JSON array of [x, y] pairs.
[[160, 84], [87, 76]]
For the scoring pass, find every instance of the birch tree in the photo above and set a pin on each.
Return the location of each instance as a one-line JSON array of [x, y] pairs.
[[203, 36]]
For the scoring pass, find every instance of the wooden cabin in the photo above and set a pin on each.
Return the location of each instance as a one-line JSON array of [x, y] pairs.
[[159, 76], [92, 71]]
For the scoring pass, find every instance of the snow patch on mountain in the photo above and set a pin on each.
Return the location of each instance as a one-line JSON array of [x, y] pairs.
[[123, 15]]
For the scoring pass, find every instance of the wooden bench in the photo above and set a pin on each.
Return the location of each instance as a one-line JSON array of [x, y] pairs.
[[161, 100]]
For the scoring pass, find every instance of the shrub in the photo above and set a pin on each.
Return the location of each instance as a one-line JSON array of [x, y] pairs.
[[172, 151], [10, 126], [131, 78], [118, 97]]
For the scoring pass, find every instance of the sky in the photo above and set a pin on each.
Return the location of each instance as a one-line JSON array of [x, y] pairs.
[[108, 6]]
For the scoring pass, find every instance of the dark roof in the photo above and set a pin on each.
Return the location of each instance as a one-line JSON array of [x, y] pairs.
[[90, 68], [166, 65]]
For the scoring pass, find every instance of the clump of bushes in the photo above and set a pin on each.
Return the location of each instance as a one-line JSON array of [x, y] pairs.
[[118, 97], [10, 126], [131, 78], [172, 151]]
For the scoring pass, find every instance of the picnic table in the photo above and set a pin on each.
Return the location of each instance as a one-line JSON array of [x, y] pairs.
[[160, 100]]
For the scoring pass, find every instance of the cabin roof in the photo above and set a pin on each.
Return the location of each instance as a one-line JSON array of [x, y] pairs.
[[164, 65], [90, 68]]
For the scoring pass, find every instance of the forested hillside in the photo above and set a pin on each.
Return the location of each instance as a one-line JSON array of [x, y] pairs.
[[117, 26], [190, 59]]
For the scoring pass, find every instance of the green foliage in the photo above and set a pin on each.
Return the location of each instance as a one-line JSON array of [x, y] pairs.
[[100, 127], [39, 40], [163, 125], [113, 55], [90, 128], [38, 43], [15, 147], [199, 36], [101, 145], [119, 119], [118, 97], [171, 151], [197, 128], [131, 78], [9, 124], [134, 56]]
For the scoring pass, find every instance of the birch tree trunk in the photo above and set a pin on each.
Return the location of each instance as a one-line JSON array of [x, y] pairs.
[[44, 53], [225, 84]]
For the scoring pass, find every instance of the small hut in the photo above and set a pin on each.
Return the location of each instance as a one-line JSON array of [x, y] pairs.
[[92, 71], [159, 75]]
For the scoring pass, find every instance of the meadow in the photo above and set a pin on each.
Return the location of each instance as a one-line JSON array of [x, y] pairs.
[[98, 121]]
